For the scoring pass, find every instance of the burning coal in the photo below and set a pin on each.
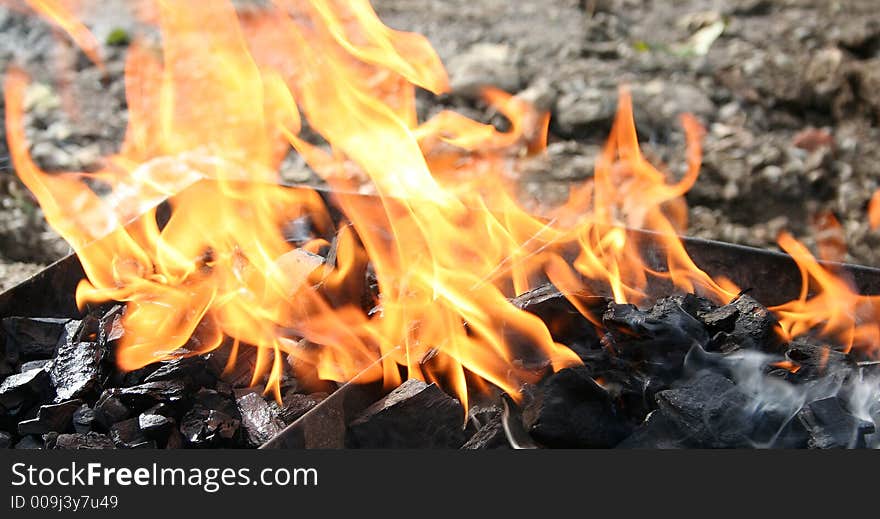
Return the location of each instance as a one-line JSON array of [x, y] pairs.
[[421, 285]]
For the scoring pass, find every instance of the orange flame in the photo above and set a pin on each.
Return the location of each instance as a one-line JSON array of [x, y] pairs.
[[835, 310], [211, 119], [62, 14], [874, 210]]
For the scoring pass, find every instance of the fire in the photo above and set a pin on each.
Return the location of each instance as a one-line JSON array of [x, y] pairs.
[[835, 310], [214, 112], [61, 13], [874, 210]]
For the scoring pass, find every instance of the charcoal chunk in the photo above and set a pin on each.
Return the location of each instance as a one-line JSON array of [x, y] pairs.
[[162, 409], [132, 378], [54, 417], [489, 436], [298, 404], [84, 418], [777, 429], [213, 421], [109, 409], [415, 415], [707, 412], [814, 358], [831, 426], [143, 396], [565, 323], [195, 371], [5, 440], [32, 338], [483, 414], [49, 439], [77, 370], [127, 434], [84, 441], [175, 439], [30, 443], [20, 391], [156, 426], [111, 328], [259, 422], [572, 411], [665, 330], [746, 323], [722, 318], [656, 432], [34, 364]]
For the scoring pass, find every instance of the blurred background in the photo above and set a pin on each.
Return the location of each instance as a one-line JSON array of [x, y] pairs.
[[788, 91]]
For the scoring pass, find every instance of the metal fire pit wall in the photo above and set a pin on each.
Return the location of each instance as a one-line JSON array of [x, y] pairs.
[[771, 277]]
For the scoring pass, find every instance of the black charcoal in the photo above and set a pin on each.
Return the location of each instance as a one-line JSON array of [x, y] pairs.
[[570, 410], [109, 409], [831, 426], [322, 427], [156, 426], [213, 421], [7, 365], [415, 415], [90, 329], [259, 422], [297, 404], [707, 412], [489, 436], [134, 377], [54, 417], [778, 429], [83, 419], [162, 409], [174, 440], [195, 371], [77, 370], [20, 391], [34, 364], [111, 325], [665, 327], [32, 338], [656, 432], [127, 434], [30, 443], [5, 440], [743, 323], [480, 415], [721, 319], [84, 441], [814, 358], [49, 440], [143, 396], [562, 318], [680, 312]]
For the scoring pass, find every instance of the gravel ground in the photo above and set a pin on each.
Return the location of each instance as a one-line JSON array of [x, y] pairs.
[[789, 92]]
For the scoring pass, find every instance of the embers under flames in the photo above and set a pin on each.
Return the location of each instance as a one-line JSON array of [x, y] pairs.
[[212, 115]]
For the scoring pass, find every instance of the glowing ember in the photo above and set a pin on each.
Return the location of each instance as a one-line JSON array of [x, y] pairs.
[[212, 116]]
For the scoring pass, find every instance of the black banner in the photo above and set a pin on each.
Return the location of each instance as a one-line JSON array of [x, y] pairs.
[[412, 483]]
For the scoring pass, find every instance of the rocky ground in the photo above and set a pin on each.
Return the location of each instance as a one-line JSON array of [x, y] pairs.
[[788, 90]]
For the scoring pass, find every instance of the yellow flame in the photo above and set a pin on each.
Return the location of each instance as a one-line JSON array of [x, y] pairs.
[[211, 118]]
